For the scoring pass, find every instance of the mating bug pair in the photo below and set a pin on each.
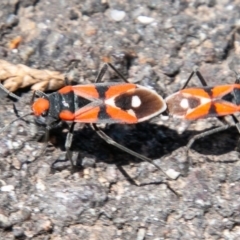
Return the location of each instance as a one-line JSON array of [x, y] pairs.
[[128, 103]]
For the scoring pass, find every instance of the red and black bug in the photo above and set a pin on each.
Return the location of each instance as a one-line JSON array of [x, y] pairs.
[[123, 103], [99, 103], [196, 103], [204, 102]]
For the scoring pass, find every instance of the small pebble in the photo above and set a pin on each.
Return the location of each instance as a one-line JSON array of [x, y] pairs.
[[88, 162], [117, 15], [20, 216], [4, 221], [40, 185], [141, 234], [12, 20], [18, 232], [164, 117], [15, 145], [44, 225], [7, 188], [111, 174], [145, 20], [172, 173]]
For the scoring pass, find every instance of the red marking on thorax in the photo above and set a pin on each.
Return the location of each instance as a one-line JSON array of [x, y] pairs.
[[66, 115], [40, 106]]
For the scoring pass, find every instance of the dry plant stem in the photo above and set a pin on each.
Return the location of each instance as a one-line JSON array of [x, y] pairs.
[[21, 76]]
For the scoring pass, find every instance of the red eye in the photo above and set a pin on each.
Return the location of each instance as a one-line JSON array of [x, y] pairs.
[[40, 106]]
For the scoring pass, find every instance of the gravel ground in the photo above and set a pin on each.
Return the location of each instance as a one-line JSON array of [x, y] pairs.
[[114, 196]]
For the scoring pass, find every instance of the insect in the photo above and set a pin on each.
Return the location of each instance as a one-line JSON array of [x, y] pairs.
[[203, 102], [122, 103]]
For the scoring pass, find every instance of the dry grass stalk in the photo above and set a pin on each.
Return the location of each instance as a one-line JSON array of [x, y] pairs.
[[21, 76]]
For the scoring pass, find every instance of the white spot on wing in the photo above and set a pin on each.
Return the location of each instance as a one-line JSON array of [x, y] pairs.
[[136, 101], [184, 103]]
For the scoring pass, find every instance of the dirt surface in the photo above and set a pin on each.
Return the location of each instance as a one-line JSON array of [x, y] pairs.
[[114, 196]]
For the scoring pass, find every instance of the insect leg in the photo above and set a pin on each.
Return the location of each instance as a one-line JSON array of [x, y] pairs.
[[207, 133], [68, 143], [110, 141], [105, 137], [69, 138]]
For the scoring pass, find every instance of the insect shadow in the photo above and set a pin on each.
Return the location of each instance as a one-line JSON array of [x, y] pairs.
[[219, 143], [149, 139]]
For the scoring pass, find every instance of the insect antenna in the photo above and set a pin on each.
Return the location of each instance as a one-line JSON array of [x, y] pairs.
[[117, 72], [13, 121], [8, 93]]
